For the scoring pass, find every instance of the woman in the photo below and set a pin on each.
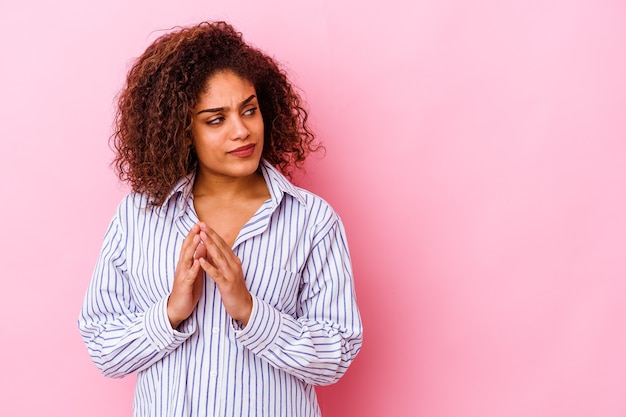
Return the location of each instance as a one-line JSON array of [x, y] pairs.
[[228, 289]]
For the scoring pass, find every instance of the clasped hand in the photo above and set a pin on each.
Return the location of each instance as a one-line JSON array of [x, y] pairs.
[[204, 250]]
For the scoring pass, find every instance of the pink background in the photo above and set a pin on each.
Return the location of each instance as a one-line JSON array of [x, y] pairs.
[[475, 149]]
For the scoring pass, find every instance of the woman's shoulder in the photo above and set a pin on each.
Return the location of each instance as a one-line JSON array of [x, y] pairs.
[[141, 202], [134, 202], [137, 207], [307, 201], [318, 209]]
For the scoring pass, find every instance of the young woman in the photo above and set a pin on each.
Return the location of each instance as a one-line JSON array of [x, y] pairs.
[[225, 287]]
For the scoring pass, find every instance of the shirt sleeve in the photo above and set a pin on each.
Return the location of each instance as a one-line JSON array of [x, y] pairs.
[[120, 337], [318, 345]]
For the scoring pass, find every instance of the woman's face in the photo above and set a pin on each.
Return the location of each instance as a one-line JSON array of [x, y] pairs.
[[227, 127]]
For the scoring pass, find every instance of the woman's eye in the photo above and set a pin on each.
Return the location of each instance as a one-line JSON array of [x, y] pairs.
[[215, 121], [250, 111]]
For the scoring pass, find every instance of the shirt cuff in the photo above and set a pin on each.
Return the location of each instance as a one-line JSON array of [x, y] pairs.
[[159, 330], [263, 327]]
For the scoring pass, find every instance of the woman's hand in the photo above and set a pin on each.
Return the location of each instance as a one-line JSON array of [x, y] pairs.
[[224, 267], [188, 280]]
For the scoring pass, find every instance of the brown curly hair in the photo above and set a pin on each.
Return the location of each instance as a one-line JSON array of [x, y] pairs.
[[152, 132]]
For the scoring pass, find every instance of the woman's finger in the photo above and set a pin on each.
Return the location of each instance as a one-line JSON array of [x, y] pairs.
[[200, 251], [217, 247], [211, 270], [215, 238], [190, 243]]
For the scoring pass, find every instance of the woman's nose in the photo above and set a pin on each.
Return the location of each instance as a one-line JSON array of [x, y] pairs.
[[240, 130]]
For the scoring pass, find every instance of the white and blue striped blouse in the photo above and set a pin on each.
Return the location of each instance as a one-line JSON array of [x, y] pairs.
[[304, 330]]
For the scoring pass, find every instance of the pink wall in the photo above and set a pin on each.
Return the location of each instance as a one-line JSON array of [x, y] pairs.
[[476, 151]]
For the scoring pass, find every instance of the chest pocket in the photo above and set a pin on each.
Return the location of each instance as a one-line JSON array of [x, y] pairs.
[[275, 286]]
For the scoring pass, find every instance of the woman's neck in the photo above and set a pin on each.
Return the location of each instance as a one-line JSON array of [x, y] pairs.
[[228, 188]]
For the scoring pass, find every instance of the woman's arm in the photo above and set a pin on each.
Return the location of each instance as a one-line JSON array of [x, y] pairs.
[[318, 345], [121, 337]]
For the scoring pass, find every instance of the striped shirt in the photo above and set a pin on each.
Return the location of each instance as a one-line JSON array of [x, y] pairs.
[[304, 329]]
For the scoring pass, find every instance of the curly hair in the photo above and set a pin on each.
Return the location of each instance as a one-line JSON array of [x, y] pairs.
[[152, 132]]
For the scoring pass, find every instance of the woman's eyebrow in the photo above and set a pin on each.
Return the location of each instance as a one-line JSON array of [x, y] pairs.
[[218, 109]]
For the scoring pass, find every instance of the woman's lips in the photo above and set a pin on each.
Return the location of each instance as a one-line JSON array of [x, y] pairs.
[[244, 151]]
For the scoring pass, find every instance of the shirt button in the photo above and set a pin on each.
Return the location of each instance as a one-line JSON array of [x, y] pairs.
[[213, 374], [216, 330]]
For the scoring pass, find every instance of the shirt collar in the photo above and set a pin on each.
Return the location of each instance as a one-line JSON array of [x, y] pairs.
[[276, 182], [182, 188], [278, 185]]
